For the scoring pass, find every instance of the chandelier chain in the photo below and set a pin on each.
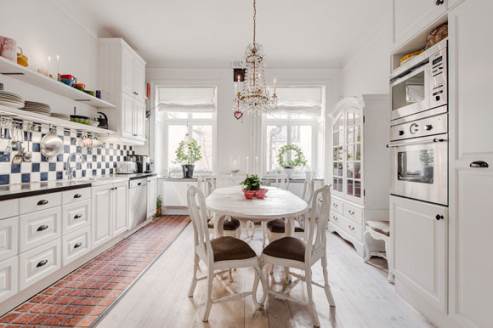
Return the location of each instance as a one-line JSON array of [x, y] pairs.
[[254, 20]]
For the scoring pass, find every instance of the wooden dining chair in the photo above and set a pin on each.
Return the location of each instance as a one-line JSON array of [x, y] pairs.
[[219, 255], [292, 252]]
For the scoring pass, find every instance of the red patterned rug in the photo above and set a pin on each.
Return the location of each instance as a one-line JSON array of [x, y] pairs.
[[80, 298]]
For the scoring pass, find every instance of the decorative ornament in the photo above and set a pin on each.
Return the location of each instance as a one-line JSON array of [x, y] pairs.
[[285, 158]]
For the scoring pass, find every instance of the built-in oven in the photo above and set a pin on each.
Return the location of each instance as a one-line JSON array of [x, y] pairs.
[[419, 152], [421, 87]]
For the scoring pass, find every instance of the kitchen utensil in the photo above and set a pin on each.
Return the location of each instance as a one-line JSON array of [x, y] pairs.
[[80, 85], [103, 120], [51, 144], [27, 155], [60, 116], [22, 59]]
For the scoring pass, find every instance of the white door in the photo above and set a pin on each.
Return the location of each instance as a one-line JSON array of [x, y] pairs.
[[120, 203], [411, 17], [471, 182], [127, 115], [102, 214], [419, 232]]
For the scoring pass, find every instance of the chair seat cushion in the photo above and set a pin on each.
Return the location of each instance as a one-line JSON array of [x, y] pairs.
[[230, 248], [382, 227], [286, 248], [229, 225], [278, 226]]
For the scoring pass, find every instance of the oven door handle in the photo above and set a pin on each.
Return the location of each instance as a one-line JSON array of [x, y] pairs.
[[415, 142]]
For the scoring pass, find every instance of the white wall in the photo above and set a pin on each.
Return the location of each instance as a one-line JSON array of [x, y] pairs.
[[366, 68], [47, 28], [235, 138]]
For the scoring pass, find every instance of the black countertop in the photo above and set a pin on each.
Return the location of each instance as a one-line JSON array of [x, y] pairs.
[[39, 188]]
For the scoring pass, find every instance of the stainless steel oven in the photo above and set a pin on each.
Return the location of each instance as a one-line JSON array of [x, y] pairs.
[[420, 164], [423, 86]]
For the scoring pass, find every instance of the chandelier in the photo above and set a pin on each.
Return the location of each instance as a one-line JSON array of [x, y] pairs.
[[252, 94]]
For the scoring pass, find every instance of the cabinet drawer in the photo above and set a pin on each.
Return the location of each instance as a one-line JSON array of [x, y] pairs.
[[353, 213], [75, 216], [75, 244], [335, 218], [337, 205], [40, 227], [41, 202], [9, 208], [9, 229], [9, 272], [38, 263], [76, 195]]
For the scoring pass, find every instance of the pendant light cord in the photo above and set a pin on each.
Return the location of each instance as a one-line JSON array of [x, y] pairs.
[[254, 20]]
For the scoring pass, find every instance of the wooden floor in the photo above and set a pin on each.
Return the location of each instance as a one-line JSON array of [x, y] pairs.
[[362, 294]]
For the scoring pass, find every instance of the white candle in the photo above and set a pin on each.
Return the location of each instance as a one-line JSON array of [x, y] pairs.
[[274, 82], [247, 160]]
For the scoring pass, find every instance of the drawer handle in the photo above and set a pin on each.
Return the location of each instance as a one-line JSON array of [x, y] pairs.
[[77, 216], [335, 205], [351, 212], [42, 202], [41, 263], [42, 227], [77, 245], [77, 196]]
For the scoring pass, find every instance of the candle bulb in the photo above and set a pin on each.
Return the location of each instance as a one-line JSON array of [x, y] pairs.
[[274, 82]]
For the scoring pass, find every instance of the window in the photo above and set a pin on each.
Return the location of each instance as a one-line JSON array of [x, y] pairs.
[[297, 120], [185, 111]]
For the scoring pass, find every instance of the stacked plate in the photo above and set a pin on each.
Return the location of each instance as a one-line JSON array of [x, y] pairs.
[[37, 107], [11, 99], [60, 115]]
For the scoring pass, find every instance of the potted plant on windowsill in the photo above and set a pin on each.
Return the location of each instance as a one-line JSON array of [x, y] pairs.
[[187, 153], [289, 157], [251, 187]]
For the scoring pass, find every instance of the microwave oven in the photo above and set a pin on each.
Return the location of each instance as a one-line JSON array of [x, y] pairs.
[[423, 86]]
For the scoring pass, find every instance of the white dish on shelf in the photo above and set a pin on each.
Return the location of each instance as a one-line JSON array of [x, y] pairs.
[[11, 104]]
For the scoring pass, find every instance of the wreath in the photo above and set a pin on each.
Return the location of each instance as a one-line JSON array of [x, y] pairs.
[[286, 159]]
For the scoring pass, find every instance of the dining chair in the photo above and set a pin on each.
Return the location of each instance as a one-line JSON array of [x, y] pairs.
[[219, 254], [292, 252], [231, 226]]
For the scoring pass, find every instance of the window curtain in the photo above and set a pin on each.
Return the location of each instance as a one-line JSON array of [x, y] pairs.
[[187, 100], [299, 100]]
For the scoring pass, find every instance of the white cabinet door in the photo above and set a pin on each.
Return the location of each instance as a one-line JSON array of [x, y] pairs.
[[75, 245], [37, 228], [411, 17], [139, 119], [139, 78], [9, 283], [120, 209], [420, 252], [9, 242], [175, 193], [39, 262], [76, 216], [127, 70], [102, 219], [128, 109], [151, 196]]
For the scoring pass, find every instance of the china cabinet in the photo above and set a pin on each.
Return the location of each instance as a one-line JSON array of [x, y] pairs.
[[359, 136], [122, 79]]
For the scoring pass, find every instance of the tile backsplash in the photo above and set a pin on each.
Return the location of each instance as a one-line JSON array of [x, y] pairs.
[[85, 162]]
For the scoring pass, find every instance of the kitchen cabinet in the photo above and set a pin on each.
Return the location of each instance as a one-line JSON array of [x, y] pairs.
[[471, 162], [360, 165], [412, 17], [122, 79], [119, 200], [175, 192], [75, 245], [39, 262], [152, 194], [419, 233], [39, 227], [9, 239], [9, 282]]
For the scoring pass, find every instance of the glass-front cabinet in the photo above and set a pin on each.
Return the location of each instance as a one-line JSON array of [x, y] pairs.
[[347, 153]]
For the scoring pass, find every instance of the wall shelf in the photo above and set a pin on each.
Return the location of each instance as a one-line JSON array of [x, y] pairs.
[[39, 80], [43, 119]]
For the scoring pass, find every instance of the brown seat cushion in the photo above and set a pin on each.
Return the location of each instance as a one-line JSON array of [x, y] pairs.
[[286, 248], [229, 225], [230, 248], [278, 226]]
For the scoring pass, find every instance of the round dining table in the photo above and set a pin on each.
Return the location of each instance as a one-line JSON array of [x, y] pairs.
[[277, 204]]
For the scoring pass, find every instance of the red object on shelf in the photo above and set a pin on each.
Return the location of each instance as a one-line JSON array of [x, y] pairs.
[[148, 90], [67, 76]]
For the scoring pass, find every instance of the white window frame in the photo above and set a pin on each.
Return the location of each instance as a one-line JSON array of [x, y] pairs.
[[189, 121]]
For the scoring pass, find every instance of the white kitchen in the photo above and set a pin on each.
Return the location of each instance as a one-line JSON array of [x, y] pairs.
[[245, 163]]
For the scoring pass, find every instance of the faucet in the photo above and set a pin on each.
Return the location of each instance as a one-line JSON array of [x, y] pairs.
[[70, 170]]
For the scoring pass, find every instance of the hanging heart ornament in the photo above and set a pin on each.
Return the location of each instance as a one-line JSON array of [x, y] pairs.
[[238, 114]]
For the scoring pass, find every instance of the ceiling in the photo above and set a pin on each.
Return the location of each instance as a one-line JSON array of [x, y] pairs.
[[213, 33]]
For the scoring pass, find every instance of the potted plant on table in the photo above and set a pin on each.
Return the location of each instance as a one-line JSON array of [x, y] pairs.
[[187, 153], [251, 187]]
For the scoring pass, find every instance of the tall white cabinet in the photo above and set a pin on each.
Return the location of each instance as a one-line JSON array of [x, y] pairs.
[[122, 81], [360, 165]]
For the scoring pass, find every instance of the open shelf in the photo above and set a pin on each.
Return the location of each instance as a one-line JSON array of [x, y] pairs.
[[43, 119], [39, 80]]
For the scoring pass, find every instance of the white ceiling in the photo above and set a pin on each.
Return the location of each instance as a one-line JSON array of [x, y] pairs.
[[213, 33]]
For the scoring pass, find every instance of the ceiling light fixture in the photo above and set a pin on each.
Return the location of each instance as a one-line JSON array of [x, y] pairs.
[[251, 92]]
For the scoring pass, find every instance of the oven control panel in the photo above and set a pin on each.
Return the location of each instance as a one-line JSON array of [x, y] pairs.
[[420, 128]]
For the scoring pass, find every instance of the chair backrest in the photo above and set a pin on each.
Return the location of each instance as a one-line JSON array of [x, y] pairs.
[[198, 214], [207, 185], [316, 223], [308, 190]]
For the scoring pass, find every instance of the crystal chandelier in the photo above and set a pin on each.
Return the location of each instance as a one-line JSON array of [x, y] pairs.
[[252, 95]]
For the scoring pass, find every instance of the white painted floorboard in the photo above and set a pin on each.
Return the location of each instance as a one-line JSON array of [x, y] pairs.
[[362, 294]]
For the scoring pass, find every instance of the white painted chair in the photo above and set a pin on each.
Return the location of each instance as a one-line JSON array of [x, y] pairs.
[[374, 231], [294, 253], [219, 254]]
